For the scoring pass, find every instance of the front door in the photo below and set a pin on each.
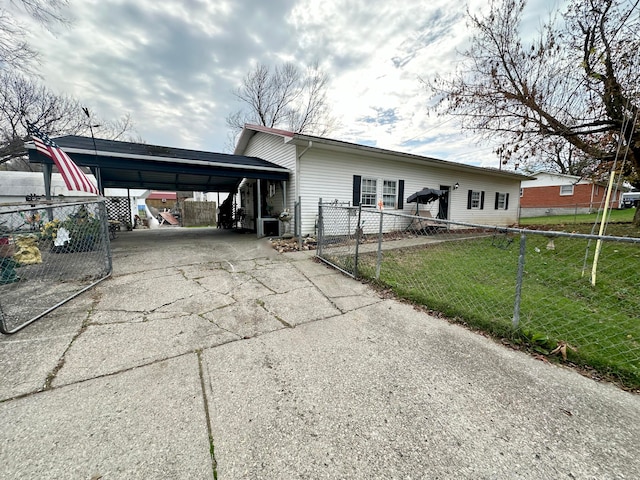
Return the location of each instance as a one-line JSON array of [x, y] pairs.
[[443, 207]]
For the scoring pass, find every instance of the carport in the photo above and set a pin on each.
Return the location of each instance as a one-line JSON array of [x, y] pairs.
[[129, 165]]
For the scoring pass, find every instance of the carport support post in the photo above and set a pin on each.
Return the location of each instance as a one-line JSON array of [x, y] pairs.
[[259, 220], [516, 307]]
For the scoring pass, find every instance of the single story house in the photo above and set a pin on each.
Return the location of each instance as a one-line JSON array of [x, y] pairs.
[[560, 194], [348, 173]]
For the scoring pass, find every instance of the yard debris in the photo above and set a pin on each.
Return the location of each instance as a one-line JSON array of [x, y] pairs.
[[27, 251], [562, 348], [284, 245]]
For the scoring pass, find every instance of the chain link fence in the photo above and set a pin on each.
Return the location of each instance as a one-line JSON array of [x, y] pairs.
[[49, 253], [570, 294]]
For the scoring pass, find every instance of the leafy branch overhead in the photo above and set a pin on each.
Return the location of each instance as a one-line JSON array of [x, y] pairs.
[[568, 100]]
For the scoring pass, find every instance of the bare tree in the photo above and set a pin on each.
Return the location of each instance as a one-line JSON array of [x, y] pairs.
[[22, 99], [569, 99], [15, 51], [284, 97]]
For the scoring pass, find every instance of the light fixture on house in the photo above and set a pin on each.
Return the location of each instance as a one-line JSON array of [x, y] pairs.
[[456, 186]]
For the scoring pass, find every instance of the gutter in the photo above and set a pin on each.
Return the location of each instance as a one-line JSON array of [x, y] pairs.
[[298, 158]]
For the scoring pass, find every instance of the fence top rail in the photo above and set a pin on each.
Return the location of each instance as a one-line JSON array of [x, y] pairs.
[[23, 206], [502, 229]]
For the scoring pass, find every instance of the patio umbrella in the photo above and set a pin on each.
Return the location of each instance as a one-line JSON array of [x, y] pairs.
[[426, 195]]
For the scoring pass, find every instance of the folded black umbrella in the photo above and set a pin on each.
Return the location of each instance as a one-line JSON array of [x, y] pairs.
[[426, 195]]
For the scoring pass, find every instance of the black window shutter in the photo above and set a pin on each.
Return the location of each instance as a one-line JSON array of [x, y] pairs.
[[469, 195], [482, 200], [506, 202], [357, 180], [496, 204], [400, 194]]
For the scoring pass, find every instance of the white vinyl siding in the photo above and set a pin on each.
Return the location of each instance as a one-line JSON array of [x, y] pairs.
[[329, 175]]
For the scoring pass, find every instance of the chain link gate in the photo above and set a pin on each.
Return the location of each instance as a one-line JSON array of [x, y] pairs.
[[49, 254], [338, 233]]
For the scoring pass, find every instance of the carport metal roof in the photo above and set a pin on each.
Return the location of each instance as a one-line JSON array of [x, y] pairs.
[[137, 165]]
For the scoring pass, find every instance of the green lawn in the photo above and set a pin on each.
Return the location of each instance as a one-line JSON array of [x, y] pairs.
[[616, 216], [474, 281]]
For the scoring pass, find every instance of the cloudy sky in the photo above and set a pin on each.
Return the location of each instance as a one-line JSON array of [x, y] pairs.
[[173, 64]]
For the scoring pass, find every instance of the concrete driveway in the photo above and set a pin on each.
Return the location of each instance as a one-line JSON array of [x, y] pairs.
[[209, 355]]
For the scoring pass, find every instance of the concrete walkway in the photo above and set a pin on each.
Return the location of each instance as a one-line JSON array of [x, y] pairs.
[[208, 354]]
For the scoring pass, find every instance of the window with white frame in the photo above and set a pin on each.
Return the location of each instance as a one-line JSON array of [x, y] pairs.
[[566, 189], [501, 201], [368, 192], [389, 193], [475, 199]]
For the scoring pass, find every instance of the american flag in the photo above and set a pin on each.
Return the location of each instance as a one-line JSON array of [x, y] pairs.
[[74, 178]]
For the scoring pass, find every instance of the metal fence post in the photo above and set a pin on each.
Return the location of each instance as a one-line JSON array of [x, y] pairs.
[[379, 260], [516, 306], [320, 229], [297, 221], [358, 234]]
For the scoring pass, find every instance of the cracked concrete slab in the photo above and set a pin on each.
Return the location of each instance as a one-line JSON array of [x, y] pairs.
[[221, 281], [280, 277], [145, 294], [337, 285], [115, 316], [249, 291], [109, 348], [387, 389], [198, 303], [381, 391], [300, 306], [145, 423], [30, 355], [246, 319]]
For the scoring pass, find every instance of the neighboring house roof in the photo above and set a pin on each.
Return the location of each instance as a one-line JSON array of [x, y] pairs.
[[309, 140], [160, 195], [555, 179]]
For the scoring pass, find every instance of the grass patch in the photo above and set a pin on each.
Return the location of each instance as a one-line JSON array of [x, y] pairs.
[[475, 282], [616, 216]]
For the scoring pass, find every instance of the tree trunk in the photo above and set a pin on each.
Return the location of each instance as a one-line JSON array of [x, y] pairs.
[[636, 217]]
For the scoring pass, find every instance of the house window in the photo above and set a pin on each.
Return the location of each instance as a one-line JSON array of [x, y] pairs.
[[475, 199], [389, 189], [502, 201], [566, 189], [368, 190]]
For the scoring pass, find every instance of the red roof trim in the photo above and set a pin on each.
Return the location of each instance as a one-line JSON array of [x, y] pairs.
[[160, 195], [275, 131]]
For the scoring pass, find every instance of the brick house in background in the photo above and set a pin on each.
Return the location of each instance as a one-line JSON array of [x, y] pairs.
[[558, 194]]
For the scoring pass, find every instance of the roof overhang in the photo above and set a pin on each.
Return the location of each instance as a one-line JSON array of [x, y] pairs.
[[391, 155]]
